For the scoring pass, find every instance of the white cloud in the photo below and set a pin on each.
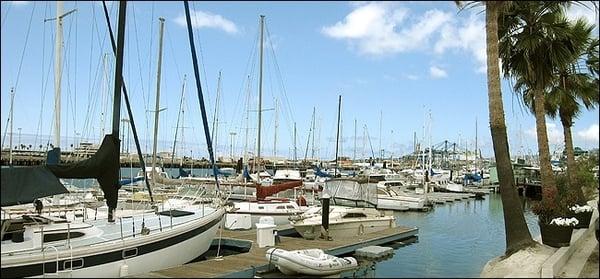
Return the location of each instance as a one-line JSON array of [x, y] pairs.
[[437, 72], [555, 133], [379, 28], [18, 3], [587, 12], [590, 134], [202, 19], [467, 36]]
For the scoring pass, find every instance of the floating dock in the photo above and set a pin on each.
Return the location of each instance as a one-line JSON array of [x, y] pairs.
[[253, 263]]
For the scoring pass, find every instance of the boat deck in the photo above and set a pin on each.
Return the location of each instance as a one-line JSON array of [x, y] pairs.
[[254, 261]]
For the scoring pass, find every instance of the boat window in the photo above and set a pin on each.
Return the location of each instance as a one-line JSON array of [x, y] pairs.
[[289, 206], [175, 213], [355, 215], [280, 207], [261, 207], [60, 236]]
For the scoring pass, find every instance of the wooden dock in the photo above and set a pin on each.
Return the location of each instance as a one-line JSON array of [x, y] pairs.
[[247, 265]]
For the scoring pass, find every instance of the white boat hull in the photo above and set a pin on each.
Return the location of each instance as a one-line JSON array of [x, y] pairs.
[[137, 255], [346, 229]]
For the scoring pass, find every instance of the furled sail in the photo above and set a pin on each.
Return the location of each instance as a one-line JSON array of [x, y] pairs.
[[103, 166], [264, 191]]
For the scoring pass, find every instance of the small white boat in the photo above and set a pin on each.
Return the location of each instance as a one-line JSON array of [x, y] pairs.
[[286, 175], [309, 261], [344, 222]]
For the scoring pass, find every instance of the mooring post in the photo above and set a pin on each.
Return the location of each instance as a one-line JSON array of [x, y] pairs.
[[325, 216]]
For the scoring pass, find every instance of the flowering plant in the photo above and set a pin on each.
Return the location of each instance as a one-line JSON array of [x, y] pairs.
[[551, 206], [578, 209], [564, 221]]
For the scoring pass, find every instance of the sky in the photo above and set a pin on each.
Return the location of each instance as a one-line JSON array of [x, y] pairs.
[[402, 69]]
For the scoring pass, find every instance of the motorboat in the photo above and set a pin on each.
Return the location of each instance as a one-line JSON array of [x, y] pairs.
[[344, 222], [286, 175], [309, 261], [389, 198]]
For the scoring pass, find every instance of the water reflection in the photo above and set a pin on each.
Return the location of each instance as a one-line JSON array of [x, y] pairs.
[[455, 239]]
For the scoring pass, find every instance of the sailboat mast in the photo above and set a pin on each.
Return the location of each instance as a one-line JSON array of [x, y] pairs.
[[342, 136], [156, 111], [295, 154], [276, 126], [247, 117], [105, 94], [200, 97], [112, 204], [380, 122], [180, 113], [10, 145], [260, 80], [337, 141], [312, 154], [476, 157], [354, 157], [58, 72], [430, 151], [216, 115], [310, 132], [364, 143]]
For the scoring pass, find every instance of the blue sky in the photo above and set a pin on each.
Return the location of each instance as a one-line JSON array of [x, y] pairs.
[[395, 59]]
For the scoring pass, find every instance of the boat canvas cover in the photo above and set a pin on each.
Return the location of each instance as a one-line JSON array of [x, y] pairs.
[[24, 185], [103, 166], [351, 192], [320, 173]]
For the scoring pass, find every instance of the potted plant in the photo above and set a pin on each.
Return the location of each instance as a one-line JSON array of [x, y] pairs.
[[558, 232], [576, 195], [556, 226], [583, 214]]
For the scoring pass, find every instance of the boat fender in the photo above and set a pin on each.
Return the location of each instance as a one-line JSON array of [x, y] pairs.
[[124, 270], [361, 229]]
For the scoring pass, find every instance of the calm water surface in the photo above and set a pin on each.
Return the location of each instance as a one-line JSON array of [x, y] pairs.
[[455, 239]]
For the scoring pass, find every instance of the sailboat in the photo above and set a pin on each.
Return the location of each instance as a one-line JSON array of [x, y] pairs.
[[37, 245], [278, 208]]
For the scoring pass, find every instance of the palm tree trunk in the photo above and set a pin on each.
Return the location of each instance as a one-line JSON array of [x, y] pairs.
[[548, 181], [517, 232], [571, 167]]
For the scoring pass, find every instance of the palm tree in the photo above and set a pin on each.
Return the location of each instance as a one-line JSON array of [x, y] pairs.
[[534, 44], [574, 89], [516, 231], [592, 58]]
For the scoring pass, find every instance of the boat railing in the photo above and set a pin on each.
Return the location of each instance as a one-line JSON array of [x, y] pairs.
[[44, 256]]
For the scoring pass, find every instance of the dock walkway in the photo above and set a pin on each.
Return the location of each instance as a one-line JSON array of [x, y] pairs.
[[254, 262]]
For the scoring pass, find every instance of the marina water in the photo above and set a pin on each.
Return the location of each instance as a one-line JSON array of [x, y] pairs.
[[455, 239]]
